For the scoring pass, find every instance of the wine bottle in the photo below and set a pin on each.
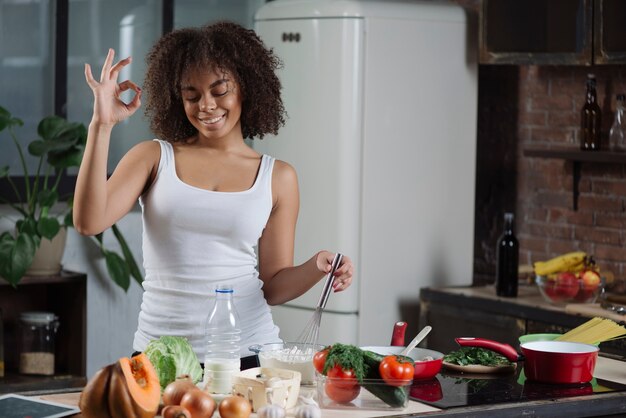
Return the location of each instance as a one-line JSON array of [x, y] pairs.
[[590, 118], [507, 254]]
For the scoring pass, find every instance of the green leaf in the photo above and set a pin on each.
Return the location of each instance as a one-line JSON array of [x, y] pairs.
[[128, 255], [69, 158], [27, 225], [48, 227], [47, 197], [16, 256], [4, 171], [50, 126], [68, 221], [7, 120], [39, 147], [117, 268]]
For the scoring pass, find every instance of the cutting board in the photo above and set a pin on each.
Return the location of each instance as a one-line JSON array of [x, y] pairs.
[[592, 310]]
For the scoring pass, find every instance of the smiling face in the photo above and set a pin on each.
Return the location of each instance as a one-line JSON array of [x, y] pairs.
[[212, 103]]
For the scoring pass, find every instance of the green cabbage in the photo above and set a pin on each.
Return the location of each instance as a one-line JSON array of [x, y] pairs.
[[173, 357]]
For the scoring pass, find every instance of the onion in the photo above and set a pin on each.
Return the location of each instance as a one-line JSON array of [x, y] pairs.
[[235, 407], [199, 403], [175, 411], [174, 392]]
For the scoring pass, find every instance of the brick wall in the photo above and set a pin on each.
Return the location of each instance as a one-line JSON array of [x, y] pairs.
[[539, 106], [548, 115]]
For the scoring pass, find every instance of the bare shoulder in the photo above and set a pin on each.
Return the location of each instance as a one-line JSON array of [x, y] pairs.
[[284, 173], [146, 153], [147, 148]]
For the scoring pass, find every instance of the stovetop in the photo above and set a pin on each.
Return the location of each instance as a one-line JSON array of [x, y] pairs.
[[451, 389]]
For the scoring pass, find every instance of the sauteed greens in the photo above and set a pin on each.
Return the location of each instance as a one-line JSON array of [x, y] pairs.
[[466, 356]]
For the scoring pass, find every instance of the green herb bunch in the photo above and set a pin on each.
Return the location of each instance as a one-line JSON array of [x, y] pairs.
[[466, 356], [347, 357]]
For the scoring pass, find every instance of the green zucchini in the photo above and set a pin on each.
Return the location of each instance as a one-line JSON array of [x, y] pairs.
[[392, 395]]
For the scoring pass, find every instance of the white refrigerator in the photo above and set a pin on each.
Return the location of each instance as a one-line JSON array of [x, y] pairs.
[[381, 99]]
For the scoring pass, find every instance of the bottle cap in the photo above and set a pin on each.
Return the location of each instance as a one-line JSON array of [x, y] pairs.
[[508, 216], [591, 76], [224, 289], [621, 96]]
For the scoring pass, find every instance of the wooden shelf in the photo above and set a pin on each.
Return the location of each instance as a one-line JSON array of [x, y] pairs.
[[66, 296], [577, 157], [18, 383]]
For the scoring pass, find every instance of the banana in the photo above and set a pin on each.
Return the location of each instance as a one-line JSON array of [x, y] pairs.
[[560, 263], [577, 267]]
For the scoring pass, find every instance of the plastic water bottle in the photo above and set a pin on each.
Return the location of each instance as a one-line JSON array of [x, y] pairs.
[[223, 336]]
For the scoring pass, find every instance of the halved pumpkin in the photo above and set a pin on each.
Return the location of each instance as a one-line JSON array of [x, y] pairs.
[[128, 388]]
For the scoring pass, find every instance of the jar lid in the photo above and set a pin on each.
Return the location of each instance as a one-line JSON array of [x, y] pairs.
[[37, 317]]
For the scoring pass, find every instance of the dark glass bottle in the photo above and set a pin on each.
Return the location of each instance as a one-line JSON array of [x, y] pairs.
[[590, 118], [507, 255]]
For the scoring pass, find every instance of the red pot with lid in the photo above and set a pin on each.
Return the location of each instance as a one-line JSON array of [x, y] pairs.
[[546, 361]]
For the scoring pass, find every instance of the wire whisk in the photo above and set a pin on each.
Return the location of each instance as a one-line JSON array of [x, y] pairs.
[[307, 341]]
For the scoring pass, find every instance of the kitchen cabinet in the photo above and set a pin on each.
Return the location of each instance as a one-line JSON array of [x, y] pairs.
[[553, 32], [477, 312], [577, 157], [66, 296]]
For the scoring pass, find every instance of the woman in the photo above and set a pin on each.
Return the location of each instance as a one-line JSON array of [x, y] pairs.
[[209, 201]]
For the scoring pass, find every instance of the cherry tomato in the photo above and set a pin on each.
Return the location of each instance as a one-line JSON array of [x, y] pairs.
[[319, 359], [340, 377], [396, 371], [341, 394]]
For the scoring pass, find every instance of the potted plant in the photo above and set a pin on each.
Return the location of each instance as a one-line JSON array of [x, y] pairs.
[[60, 146]]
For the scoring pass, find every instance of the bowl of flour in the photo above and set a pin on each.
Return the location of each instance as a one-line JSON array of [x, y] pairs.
[[290, 356]]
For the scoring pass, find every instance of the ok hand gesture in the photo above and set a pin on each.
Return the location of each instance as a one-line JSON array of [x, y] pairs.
[[108, 108]]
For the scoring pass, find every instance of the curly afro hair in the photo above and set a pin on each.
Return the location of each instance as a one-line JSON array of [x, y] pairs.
[[228, 47]]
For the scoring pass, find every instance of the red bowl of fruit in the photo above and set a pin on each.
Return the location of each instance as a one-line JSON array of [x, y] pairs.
[[569, 287]]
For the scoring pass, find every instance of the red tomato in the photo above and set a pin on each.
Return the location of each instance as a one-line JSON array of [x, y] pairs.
[[341, 394], [319, 359], [341, 377], [396, 371]]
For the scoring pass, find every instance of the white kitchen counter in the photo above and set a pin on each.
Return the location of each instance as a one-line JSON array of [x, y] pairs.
[[606, 368]]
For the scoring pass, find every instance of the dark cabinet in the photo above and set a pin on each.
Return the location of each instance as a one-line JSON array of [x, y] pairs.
[[553, 32], [477, 312], [65, 295], [609, 32]]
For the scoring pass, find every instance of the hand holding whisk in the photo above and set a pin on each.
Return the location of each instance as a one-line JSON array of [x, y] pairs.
[[307, 341]]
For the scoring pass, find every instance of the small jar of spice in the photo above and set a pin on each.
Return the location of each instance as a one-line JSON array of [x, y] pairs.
[[37, 335]]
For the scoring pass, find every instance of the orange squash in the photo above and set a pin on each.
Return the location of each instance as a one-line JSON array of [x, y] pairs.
[[128, 388]]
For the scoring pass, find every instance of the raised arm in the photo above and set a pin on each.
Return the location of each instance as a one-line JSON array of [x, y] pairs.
[[98, 202], [282, 281]]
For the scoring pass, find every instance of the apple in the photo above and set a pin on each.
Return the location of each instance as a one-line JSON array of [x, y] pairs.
[[590, 279], [566, 285]]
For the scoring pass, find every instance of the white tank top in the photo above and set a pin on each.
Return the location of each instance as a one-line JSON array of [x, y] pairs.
[[194, 239]]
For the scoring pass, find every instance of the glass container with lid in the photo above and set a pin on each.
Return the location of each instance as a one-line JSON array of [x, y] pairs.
[[37, 331]]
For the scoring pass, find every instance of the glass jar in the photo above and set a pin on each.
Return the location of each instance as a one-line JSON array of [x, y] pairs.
[[37, 331]]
